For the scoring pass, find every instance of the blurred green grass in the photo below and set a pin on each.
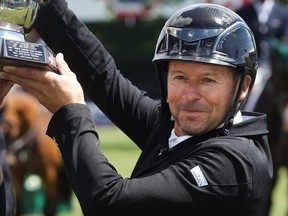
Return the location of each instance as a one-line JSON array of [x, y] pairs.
[[123, 154], [280, 194]]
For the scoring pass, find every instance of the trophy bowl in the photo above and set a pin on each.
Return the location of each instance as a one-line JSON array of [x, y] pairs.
[[16, 20]]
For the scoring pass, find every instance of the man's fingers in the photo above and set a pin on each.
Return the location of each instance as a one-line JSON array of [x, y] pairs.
[[21, 80], [31, 73]]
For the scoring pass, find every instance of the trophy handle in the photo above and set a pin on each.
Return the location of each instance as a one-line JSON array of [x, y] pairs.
[[31, 14]]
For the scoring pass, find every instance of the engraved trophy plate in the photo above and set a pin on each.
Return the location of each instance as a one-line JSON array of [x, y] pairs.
[[16, 20]]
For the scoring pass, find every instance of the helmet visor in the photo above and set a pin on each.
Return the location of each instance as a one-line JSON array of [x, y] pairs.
[[226, 47]]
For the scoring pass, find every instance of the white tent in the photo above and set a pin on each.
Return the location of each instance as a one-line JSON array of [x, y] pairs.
[[90, 10], [100, 10]]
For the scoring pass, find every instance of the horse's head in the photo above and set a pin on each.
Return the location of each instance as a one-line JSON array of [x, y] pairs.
[[279, 65], [18, 114]]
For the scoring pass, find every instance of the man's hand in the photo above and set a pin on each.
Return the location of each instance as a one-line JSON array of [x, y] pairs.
[[52, 90]]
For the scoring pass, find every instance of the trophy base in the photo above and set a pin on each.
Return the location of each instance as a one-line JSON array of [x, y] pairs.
[[26, 54]]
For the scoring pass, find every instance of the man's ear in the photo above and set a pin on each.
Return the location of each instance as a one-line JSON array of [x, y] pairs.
[[245, 89]]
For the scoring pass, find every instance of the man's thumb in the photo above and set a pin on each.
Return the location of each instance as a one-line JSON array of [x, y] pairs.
[[61, 63]]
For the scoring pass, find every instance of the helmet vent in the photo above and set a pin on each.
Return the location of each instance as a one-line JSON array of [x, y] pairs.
[[206, 46], [175, 46], [189, 49]]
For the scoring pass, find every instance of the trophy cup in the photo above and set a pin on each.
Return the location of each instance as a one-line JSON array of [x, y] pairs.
[[16, 21]]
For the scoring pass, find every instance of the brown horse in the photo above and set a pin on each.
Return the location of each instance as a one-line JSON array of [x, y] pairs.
[[24, 123]]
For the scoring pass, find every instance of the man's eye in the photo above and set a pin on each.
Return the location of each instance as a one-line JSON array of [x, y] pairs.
[[180, 78], [208, 80]]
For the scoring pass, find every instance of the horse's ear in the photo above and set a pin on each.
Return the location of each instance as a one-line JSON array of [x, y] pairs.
[[2, 117], [2, 109]]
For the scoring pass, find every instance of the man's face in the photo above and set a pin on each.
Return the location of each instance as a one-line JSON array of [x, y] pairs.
[[199, 95], [5, 87]]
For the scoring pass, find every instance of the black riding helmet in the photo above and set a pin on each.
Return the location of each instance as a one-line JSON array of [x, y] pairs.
[[210, 34]]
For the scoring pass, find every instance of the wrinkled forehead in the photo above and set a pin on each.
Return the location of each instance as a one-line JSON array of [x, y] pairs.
[[191, 68]]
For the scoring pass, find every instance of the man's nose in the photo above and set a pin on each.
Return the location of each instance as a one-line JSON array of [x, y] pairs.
[[192, 90]]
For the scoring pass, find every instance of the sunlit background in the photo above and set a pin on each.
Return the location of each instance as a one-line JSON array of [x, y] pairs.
[[129, 30]]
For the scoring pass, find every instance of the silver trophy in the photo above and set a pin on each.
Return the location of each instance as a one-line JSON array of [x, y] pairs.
[[16, 21]]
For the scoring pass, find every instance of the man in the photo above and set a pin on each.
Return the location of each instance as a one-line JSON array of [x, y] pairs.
[[9, 198], [209, 159], [6, 190]]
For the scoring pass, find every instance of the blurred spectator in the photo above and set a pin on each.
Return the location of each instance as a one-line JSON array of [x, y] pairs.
[[269, 21], [7, 179], [2, 194]]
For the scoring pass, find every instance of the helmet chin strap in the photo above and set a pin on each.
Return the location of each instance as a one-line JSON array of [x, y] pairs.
[[229, 121], [165, 114]]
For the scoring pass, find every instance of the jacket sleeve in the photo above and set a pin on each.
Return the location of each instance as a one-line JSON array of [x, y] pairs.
[[96, 183], [128, 107]]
